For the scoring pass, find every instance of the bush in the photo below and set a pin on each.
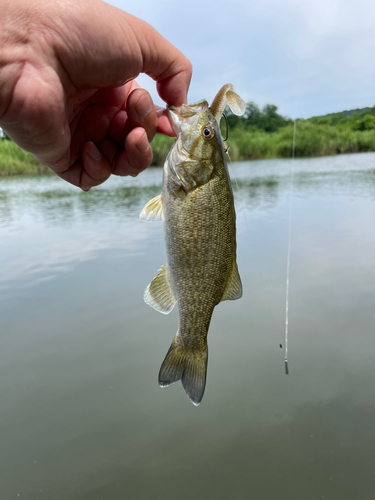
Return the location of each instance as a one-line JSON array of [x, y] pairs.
[[312, 139], [365, 122], [16, 161], [160, 148]]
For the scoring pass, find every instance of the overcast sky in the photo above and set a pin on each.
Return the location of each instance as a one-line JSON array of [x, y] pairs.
[[309, 57]]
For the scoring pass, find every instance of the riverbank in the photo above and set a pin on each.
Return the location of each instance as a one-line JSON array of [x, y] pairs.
[[245, 144], [16, 161], [310, 140]]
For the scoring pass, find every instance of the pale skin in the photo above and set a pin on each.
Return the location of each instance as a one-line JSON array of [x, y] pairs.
[[67, 86]]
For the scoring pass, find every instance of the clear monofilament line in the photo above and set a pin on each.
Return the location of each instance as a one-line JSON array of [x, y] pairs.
[[288, 252]]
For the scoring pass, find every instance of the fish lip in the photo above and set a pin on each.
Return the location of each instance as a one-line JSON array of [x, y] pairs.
[[174, 117]]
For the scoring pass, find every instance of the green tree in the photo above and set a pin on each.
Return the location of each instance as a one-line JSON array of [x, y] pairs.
[[267, 119], [272, 121], [365, 122]]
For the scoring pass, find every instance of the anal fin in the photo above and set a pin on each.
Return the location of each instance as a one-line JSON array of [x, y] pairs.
[[159, 293]]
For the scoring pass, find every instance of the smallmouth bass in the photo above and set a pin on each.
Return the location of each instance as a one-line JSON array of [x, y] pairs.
[[196, 205]]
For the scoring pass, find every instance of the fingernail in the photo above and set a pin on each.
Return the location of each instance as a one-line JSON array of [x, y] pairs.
[[93, 151], [143, 144], [144, 105]]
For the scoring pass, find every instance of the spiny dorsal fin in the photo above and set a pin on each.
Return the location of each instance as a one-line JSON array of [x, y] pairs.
[[153, 211], [233, 290], [159, 293]]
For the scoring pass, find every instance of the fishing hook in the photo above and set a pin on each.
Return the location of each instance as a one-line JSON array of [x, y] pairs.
[[226, 135], [226, 123]]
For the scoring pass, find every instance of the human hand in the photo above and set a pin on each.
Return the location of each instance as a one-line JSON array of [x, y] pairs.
[[67, 88]]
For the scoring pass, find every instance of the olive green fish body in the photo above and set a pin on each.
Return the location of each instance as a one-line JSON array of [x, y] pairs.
[[201, 251], [197, 207]]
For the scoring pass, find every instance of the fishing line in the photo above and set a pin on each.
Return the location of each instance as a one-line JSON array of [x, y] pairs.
[[288, 252]]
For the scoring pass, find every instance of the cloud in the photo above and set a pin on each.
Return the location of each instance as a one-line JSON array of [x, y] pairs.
[[306, 57]]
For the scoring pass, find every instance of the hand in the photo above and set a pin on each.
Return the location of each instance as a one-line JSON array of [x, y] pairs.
[[67, 88]]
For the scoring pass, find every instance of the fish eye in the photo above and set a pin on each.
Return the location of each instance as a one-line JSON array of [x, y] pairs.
[[207, 133]]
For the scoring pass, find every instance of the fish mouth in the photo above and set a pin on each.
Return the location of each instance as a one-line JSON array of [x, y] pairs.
[[179, 113], [174, 117]]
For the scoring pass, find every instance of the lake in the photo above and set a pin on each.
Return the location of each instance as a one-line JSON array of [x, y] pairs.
[[81, 413]]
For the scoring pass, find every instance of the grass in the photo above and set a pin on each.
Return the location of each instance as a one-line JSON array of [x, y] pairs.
[[160, 148], [312, 139], [16, 161]]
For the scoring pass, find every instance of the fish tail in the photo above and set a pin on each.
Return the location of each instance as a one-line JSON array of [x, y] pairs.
[[189, 366]]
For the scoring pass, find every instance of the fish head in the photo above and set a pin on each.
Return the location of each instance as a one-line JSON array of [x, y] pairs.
[[197, 131]]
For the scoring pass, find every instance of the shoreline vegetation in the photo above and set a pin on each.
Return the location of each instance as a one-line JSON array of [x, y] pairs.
[[259, 134]]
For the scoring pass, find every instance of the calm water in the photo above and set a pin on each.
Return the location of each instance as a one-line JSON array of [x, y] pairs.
[[81, 414]]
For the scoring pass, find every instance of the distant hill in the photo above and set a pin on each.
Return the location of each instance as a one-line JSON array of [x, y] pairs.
[[360, 119], [348, 113]]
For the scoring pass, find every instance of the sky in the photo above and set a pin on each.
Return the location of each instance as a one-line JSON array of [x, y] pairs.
[[308, 57]]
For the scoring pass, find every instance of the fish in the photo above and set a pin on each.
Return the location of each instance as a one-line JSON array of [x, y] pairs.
[[197, 208]]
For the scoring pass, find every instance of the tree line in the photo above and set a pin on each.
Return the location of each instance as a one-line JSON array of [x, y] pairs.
[[267, 119]]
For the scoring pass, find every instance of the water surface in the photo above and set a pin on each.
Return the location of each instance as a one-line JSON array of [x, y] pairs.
[[81, 415]]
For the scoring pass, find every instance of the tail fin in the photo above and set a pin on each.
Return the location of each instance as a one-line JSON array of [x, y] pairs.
[[188, 366]]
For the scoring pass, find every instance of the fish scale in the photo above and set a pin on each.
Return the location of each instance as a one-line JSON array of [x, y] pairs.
[[197, 207], [200, 259]]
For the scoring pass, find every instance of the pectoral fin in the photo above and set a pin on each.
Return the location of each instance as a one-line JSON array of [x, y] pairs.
[[153, 210], [233, 290], [159, 293]]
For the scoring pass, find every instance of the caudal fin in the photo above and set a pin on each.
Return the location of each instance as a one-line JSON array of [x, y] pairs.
[[188, 366]]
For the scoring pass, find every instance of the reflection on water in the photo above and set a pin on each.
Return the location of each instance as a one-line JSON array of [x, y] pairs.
[[81, 415]]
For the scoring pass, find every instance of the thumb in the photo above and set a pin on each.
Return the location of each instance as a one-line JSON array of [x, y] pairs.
[[115, 47]]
